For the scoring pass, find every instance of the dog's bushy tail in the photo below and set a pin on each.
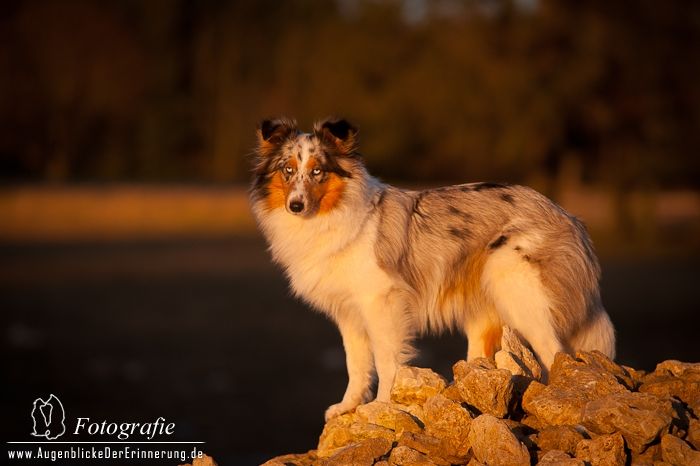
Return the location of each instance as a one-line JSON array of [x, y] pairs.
[[597, 334]]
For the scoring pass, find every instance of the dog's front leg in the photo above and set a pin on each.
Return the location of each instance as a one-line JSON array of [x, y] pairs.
[[390, 333], [358, 358]]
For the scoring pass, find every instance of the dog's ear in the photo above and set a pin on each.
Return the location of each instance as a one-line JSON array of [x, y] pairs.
[[340, 133], [272, 133]]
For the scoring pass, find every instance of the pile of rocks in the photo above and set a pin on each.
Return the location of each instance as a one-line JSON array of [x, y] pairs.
[[498, 412]]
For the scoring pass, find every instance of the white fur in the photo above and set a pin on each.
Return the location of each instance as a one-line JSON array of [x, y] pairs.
[[520, 299]]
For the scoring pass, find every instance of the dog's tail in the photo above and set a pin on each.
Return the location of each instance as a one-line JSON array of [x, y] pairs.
[[596, 334]]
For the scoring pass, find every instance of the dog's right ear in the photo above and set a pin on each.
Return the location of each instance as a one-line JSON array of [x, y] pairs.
[[272, 133]]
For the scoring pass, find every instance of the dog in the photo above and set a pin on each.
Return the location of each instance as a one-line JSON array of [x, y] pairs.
[[387, 264]]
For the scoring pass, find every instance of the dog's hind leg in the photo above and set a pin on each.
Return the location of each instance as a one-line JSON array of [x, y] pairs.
[[514, 286], [483, 335], [358, 358]]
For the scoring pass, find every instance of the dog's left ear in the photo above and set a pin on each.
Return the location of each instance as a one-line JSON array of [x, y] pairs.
[[339, 133]]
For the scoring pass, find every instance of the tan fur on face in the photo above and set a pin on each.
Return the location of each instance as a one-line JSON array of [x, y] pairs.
[[277, 192], [330, 193]]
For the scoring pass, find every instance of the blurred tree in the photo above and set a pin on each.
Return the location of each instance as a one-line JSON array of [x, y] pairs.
[[442, 90]]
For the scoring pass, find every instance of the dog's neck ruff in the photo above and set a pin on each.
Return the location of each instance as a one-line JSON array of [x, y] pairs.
[[293, 238]]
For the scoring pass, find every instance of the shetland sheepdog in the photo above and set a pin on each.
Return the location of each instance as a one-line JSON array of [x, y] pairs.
[[386, 264]]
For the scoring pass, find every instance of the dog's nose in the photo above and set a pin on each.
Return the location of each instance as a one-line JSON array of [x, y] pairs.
[[296, 206]]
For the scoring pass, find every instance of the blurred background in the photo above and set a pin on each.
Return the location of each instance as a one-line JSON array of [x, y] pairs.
[[133, 283]]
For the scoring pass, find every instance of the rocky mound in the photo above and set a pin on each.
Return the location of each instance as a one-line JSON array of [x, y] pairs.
[[498, 412]]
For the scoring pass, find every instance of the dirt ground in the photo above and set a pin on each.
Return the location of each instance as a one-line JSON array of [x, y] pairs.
[[205, 334]]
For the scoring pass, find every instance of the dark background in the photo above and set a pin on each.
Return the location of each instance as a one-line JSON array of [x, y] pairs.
[[133, 283]]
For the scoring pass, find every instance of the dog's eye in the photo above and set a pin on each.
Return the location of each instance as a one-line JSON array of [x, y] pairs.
[[288, 170], [316, 171]]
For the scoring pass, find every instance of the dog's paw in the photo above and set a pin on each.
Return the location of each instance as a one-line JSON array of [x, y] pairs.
[[338, 409]]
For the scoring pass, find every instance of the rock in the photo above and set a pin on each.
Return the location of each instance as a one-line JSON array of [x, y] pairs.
[[449, 421], [405, 456], [693, 436], [488, 390], [651, 456], [598, 360], [558, 458], [677, 452], [203, 461], [589, 413], [303, 459], [606, 450], [462, 367], [677, 379], [429, 446], [452, 392], [414, 385], [336, 434], [516, 357], [563, 438], [387, 416], [347, 429], [639, 417], [572, 384], [637, 375], [552, 405], [679, 369], [587, 373], [494, 444], [363, 453]]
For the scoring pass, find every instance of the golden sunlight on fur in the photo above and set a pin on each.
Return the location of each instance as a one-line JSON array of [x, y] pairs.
[[330, 193], [278, 192]]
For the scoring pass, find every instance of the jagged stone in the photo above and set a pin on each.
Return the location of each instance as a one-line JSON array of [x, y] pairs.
[[414, 385], [677, 452], [488, 390], [586, 415], [203, 461], [462, 367], [651, 456], [563, 438], [558, 458], [405, 456], [522, 432], [677, 379], [693, 436], [388, 416], [363, 453], [347, 429], [598, 360], [639, 417], [606, 450], [447, 420], [431, 446], [494, 444], [572, 384], [637, 375], [516, 357], [551, 405], [302, 459], [336, 434]]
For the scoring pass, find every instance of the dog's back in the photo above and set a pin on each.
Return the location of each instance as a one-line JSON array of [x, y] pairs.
[[478, 256]]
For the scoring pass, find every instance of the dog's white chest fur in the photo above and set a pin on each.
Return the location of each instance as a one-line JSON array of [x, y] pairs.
[[335, 272]]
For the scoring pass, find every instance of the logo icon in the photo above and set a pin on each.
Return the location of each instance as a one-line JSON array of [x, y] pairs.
[[49, 418]]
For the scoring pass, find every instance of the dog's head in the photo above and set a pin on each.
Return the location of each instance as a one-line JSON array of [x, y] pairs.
[[304, 173]]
